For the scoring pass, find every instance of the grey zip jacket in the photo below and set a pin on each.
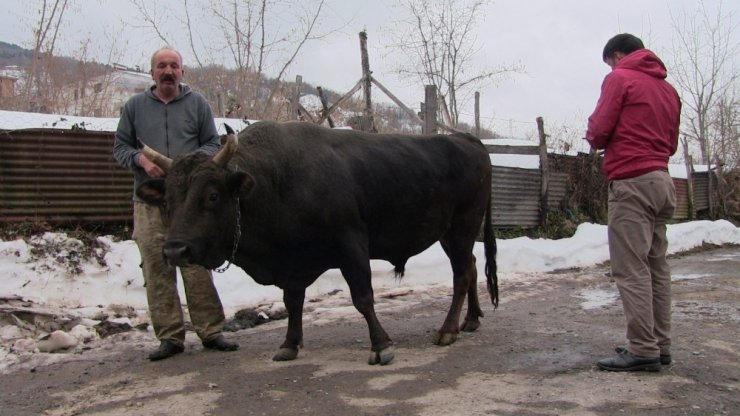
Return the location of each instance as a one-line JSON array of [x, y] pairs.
[[183, 125]]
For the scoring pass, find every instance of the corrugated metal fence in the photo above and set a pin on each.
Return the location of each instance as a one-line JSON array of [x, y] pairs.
[[70, 177], [62, 176], [516, 196], [700, 181]]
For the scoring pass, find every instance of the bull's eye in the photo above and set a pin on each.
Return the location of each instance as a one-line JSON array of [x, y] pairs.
[[213, 197]]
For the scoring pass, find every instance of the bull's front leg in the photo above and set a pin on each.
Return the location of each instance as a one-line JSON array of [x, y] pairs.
[[360, 287], [293, 300]]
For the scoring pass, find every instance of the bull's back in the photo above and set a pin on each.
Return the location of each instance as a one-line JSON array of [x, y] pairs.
[[401, 191]]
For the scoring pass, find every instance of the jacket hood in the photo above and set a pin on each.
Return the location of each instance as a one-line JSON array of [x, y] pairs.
[[645, 61]]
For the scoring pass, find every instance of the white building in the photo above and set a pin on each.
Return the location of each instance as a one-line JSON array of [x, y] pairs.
[[104, 95]]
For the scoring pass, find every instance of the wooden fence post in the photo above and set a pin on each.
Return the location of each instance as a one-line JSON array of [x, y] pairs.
[[544, 170], [477, 114], [220, 103], [369, 122], [689, 179], [430, 109], [297, 97], [325, 107]]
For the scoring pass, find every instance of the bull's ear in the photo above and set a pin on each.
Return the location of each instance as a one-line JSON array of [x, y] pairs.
[[152, 191], [240, 182]]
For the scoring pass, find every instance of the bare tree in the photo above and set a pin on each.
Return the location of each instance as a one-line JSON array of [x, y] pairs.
[[707, 76], [704, 71], [257, 39], [440, 41], [242, 28], [153, 18], [38, 85], [726, 126], [726, 140], [253, 48], [57, 73]]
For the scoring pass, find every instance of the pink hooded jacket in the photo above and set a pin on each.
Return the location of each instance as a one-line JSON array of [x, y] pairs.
[[636, 118]]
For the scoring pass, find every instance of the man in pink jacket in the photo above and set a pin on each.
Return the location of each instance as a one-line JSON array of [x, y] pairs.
[[636, 122]]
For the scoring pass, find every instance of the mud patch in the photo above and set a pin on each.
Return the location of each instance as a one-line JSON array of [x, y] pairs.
[[125, 395], [486, 394]]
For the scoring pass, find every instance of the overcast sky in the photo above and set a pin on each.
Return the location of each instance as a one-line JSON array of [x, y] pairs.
[[558, 42]]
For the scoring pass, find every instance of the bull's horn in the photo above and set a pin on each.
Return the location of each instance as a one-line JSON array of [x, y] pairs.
[[159, 159], [228, 147]]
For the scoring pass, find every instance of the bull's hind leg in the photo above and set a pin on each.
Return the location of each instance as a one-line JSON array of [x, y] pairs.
[[294, 338], [471, 322], [464, 284]]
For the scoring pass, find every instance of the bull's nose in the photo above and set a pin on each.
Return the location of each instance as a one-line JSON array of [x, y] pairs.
[[176, 253]]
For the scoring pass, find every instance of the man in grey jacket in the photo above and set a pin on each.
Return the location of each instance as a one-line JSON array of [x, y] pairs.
[[172, 119]]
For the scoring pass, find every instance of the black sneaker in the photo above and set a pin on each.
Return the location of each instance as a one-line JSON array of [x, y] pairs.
[[166, 350], [626, 361], [221, 344], [665, 359]]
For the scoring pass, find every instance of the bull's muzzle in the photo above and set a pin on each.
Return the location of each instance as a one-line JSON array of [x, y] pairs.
[[176, 253]]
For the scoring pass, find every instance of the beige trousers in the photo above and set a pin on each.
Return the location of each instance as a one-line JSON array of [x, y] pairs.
[[638, 211], [165, 310]]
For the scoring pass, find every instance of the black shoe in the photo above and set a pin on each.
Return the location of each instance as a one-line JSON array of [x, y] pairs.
[[166, 350], [219, 343], [626, 361], [665, 359]]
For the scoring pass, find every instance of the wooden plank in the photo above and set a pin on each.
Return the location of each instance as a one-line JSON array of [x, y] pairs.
[[501, 149], [398, 102], [341, 101], [544, 171]]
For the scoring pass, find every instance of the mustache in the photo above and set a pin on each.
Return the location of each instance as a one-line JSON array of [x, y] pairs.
[[167, 77]]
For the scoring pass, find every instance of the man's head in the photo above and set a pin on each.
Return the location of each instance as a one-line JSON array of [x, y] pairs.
[[167, 71], [620, 46]]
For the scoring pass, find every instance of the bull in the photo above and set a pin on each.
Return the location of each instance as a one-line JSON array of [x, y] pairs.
[[288, 201]]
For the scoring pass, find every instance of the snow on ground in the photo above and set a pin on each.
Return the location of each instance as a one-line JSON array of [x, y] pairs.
[[45, 281], [45, 285]]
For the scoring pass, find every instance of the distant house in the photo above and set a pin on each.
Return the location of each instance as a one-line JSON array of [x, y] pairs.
[[7, 86], [11, 80], [104, 95]]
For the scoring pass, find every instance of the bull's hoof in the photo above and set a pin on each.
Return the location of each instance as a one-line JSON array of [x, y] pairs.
[[470, 326], [383, 357], [446, 339], [285, 354]]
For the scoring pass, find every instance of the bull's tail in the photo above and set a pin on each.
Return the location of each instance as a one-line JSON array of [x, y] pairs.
[[489, 246]]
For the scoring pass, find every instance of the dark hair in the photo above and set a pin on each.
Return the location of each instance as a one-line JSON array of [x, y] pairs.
[[624, 43]]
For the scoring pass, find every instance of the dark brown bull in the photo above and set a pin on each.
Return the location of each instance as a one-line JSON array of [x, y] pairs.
[[293, 200]]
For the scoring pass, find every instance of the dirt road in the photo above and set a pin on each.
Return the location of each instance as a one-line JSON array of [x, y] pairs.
[[535, 355]]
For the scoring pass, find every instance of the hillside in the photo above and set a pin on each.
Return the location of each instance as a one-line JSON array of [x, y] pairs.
[[11, 54], [388, 117]]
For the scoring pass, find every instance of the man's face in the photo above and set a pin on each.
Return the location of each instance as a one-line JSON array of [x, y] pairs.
[[167, 72]]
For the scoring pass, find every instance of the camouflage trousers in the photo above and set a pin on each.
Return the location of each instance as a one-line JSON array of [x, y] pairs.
[[165, 310], [639, 209]]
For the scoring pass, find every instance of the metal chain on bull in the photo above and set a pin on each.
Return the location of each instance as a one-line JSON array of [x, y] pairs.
[[237, 237]]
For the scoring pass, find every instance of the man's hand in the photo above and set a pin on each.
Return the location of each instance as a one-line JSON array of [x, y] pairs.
[[149, 167]]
